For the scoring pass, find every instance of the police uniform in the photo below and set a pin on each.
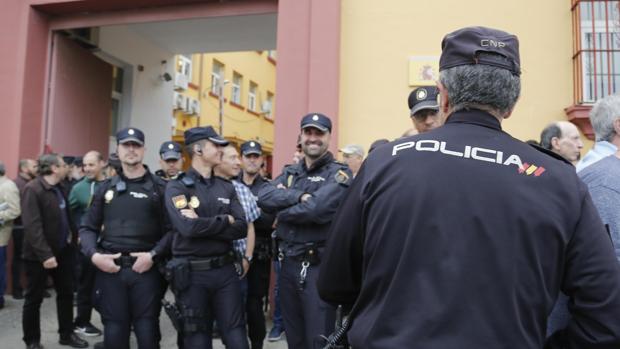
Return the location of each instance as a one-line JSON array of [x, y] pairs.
[[204, 245], [470, 249], [169, 151], [260, 269], [302, 229], [125, 216]]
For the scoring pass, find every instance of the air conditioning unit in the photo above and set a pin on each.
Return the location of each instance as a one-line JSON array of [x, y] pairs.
[[179, 101], [266, 108], [181, 81], [194, 107]]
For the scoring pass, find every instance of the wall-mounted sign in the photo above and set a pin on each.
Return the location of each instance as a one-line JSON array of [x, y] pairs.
[[423, 70]]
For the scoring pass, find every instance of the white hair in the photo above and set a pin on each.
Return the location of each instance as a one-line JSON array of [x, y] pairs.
[[602, 116]]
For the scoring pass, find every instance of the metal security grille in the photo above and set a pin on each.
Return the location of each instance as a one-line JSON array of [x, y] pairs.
[[596, 49]]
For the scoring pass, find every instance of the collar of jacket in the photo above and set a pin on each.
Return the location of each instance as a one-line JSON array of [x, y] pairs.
[[196, 176], [44, 183], [320, 162], [475, 117]]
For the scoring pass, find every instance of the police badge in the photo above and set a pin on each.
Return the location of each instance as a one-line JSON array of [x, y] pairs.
[[109, 195], [194, 202]]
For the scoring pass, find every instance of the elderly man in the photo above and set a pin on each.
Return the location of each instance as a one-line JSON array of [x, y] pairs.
[[353, 156], [522, 227], [9, 210], [602, 117], [562, 137]]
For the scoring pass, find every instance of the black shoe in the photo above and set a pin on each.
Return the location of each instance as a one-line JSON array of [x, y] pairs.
[[34, 346], [18, 295], [73, 340], [99, 345], [88, 330], [46, 294]]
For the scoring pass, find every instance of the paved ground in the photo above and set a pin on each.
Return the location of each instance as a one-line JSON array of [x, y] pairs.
[[11, 328]]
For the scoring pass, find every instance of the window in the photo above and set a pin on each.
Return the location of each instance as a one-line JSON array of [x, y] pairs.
[[596, 49], [217, 74], [184, 66], [268, 106], [252, 96], [236, 88]]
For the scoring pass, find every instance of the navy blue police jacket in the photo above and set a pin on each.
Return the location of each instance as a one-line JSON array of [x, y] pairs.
[[113, 208], [299, 223], [462, 237], [213, 199]]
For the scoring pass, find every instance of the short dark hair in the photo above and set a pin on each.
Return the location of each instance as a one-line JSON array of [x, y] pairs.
[[189, 148], [2, 169], [46, 161], [548, 134]]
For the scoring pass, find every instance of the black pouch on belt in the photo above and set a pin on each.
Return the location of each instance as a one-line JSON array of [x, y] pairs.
[[178, 274]]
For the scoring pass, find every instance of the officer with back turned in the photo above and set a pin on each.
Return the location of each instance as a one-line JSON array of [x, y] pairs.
[[306, 197], [508, 227], [207, 216], [124, 233]]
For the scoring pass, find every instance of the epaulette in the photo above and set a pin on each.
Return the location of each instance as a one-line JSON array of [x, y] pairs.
[[118, 183], [186, 180], [551, 153]]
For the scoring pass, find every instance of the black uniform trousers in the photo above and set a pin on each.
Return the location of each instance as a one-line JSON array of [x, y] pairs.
[[36, 277], [17, 261], [258, 287], [127, 299], [306, 316], [86, 283], [213, 295]]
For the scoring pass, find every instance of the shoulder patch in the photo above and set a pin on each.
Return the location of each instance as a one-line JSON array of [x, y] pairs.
[[341, 177], [179, 201], [187, 181]]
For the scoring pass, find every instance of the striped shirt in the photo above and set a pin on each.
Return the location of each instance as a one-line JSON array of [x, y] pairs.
[[252, 212]]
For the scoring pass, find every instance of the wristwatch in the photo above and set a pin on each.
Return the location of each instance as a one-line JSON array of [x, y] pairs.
[[248, 258]]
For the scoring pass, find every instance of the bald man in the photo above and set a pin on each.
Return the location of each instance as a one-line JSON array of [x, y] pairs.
[[562, 137]]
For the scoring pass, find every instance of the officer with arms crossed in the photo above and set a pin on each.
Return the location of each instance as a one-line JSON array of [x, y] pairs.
[[306, 195], [207, 217], [124, 233], [513, 227]]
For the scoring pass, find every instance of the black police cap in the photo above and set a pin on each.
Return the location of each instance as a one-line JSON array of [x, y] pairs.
[[317, 120], [423, 98], [170, 150], [130, 134], [196, 134], [251, 147], [462, 47]]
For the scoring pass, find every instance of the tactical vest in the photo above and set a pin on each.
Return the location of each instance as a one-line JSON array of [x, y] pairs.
[[131, 216]]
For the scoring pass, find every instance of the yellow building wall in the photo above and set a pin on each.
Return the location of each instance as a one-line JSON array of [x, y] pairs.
[[379, 37], [239, 123]]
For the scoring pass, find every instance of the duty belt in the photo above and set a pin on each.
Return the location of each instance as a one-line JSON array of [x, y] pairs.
[[211, 263]]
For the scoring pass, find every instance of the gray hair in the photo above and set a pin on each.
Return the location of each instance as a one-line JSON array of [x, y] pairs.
[[2, 169], [602, 116], [550, 132], [481, 87]]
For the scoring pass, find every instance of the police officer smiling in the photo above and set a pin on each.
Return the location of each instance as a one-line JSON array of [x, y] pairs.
[[512, 227], [207, 217], [306, 196], [123, 233]]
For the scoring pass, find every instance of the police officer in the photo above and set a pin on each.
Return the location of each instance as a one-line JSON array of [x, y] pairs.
[[124, 233], [207, 216], [424, 108], [306, 196], [170, 160], [258, 276], [471, 249]]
